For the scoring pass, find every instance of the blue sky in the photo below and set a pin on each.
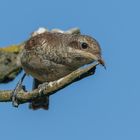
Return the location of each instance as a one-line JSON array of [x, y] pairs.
[[105, 106]]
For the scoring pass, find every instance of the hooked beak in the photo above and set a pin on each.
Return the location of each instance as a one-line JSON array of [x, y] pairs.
[[101, 61]]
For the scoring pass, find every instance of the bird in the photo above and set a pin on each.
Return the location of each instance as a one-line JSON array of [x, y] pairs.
[[49, 56]]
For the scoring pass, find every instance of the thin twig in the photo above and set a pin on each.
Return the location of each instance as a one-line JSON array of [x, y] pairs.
[[49, 88]]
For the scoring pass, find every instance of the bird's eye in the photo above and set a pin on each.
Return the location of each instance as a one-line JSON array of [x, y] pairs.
[[84, 45]]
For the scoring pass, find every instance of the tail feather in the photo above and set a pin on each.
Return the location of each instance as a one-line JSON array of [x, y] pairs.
[[42, 102]]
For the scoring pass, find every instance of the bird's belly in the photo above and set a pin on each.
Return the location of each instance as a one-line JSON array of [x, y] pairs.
[[43, 69], [47, 73]]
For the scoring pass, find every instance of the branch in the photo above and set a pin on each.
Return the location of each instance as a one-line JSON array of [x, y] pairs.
[[49, 88]]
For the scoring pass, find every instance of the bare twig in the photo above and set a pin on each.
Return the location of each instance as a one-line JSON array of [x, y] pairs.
[[48, 88]]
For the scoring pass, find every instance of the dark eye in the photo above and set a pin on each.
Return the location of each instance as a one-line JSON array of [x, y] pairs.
[[84, 45]]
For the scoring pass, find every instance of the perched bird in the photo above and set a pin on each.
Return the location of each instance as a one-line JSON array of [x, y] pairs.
[[50, 56]]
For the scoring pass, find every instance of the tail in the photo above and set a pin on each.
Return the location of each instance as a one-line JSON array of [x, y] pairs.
[[41, 102]]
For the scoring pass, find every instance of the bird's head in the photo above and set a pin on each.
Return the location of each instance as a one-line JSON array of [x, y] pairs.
[[85, 50]]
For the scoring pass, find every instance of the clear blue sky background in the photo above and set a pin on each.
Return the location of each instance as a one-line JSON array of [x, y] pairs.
[[102, 107]]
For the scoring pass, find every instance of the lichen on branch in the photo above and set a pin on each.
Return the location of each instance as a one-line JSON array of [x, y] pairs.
[[9, 65]]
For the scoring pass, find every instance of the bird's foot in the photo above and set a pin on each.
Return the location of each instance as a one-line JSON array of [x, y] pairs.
[[17, 89], [42, 88]]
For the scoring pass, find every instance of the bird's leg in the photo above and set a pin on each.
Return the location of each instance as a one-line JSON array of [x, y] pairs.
[[42, 101], [16, 90]]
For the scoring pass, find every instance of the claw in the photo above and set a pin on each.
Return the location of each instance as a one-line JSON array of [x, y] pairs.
[[42, 87], [16, 90]]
